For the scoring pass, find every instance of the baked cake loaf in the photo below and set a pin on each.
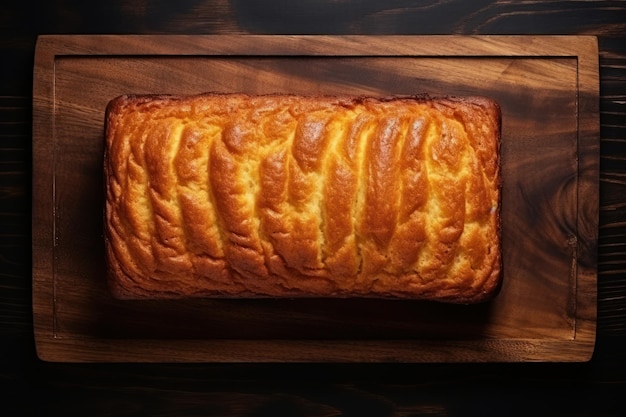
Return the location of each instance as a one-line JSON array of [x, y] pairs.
[[232, 195]]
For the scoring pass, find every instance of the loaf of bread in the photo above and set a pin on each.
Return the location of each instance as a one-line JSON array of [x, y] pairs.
[[234, 195]]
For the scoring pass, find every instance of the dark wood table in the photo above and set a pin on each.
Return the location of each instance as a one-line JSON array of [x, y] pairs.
[[31, 386]]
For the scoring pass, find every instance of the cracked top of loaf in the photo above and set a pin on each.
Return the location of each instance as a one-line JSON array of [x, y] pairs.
[[235, 195]]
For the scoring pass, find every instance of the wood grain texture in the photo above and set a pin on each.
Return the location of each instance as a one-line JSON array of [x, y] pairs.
[[594, 388], [549, 159]]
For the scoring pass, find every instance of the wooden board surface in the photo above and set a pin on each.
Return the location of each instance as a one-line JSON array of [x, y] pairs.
[[546, 310]]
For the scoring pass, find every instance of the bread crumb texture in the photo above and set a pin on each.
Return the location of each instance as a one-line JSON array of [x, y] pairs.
[[232, 195]]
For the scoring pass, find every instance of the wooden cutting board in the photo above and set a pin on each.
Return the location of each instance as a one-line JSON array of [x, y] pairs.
[[546, 309]]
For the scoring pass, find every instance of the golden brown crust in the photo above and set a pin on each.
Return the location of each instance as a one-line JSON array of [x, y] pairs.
[[289, 196]]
